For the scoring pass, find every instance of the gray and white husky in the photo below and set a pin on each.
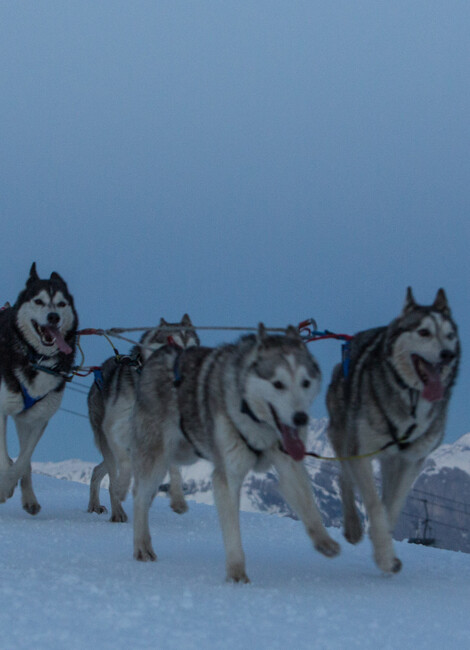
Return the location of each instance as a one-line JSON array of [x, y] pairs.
[[394, 399], [241, 407], [37, 347], [110, 402]]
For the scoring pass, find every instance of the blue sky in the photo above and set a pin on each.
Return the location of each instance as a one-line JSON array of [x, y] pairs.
[[241, 161]]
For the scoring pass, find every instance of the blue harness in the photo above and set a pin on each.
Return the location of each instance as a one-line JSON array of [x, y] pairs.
[[28, 400]]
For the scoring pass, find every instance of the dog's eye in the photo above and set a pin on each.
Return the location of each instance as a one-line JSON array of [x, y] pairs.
[[306, 383], [451, 336], [39, 302], [278, 385], [61, 304], [424, 332]]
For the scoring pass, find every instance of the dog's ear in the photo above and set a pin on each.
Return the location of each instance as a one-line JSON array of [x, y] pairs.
[[410, 302], [293, 333], [33, 274], [163, 322], [186, 320], [441, 304], [261, 332], [55, 277]]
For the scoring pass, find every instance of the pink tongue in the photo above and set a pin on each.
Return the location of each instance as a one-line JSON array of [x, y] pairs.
[[433, 389], [59, 339], [292, 443]]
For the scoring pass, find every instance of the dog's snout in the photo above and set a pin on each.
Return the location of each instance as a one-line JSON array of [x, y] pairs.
[[53, 318], [447, 356], [300, 418]]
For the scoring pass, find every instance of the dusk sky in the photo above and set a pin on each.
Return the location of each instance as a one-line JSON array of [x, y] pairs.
[[239, 161]]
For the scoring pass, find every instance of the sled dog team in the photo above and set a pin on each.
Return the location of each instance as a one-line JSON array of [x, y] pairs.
[[242, 406]]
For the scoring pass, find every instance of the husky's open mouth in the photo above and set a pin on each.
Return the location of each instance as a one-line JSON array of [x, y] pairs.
[[51, 335], [291, 441], [430, 375]]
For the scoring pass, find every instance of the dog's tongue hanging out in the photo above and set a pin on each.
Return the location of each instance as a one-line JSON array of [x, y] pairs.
[[292, 442], [430, 375], [54, 333], [433, 388]]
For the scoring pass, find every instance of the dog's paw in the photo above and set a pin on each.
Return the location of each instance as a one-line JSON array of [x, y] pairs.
[[180, 507], [119, 516], [388, 565], [236, 572], [99, 509], [328, 547], [238, 577], [6, 491], [353, 530], [353, 536], [32, 508], [145, 553], [393, 567]]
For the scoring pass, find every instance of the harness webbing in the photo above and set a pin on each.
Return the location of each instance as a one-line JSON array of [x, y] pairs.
[[28, 400]]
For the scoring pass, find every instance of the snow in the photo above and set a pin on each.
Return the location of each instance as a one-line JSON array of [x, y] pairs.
[[68, 581], [453, 456]]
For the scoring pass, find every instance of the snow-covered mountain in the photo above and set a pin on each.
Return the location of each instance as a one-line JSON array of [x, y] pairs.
[[437, 508]]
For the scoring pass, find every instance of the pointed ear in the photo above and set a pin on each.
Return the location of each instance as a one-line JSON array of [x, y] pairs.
[[55, 277], [261, 332], [163, 322], [33, 274], [410, 302], [440, 303], [186, 320], [293, 333]]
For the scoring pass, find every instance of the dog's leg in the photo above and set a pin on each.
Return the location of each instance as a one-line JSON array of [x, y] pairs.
[[124, 473], [28, 498], [98, 474], [398, 476], [5, 460], [28, 436], [118, 514], [353, 528], [147, 480], [227, 499], [177, 500], [296, 488], [379, 532]]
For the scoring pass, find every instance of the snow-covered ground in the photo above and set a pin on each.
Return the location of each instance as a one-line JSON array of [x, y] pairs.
[[68, 581]]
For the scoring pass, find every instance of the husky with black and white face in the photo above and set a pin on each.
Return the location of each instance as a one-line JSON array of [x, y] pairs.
[[393, 400], [37, 348], [241, 407]]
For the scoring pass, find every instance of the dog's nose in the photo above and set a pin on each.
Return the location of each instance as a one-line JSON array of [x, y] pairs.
[[447, 356], [300, 418], [53, 318]]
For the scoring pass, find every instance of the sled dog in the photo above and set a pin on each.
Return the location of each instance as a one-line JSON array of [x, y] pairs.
[[394, 399], [241, 406], [110, 402], [37, 348]]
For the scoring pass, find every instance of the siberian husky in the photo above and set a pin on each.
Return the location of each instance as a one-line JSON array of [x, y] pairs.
[[241, 407], [394, 399], [110, 402], [37, 347]]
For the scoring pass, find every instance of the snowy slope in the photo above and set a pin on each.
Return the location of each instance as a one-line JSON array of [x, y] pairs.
[[454, 456], [68, 581]]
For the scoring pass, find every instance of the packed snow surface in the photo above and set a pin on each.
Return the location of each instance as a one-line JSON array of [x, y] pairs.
[[68, 581]]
